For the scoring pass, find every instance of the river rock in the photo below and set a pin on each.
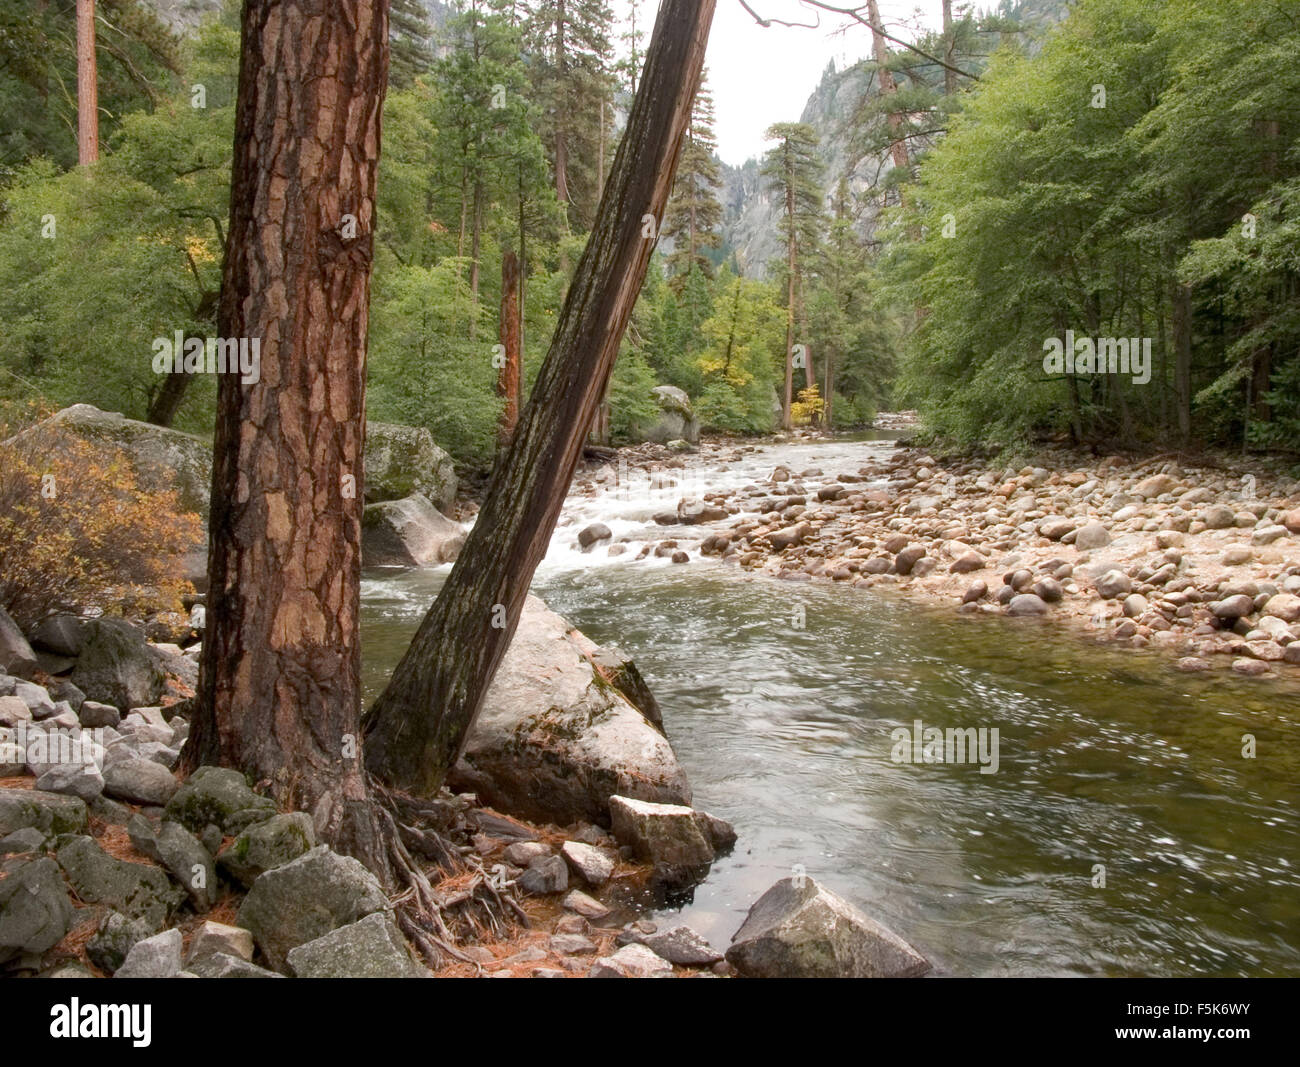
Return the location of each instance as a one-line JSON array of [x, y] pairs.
[[13, 710], [1218, 517], [1284, 606], [586, 906], [782, 539], [669, 836], [1093, 535], [16, 655], [545, 874], [371, 947], [161, 458], [153, 957], [908, 558], [401, 460], [136, 890], [799, 929], [78, 779], [682, 945], [593, 865], [35, 912], [1154, 486], [1233, 607], [1113, 584], [631, 961], [117, 666], [1027, 604], [555, 740], [51, 813], [409, 532], [267, 845], [593, 534], [218, 795], [1054, 527], [305, 899]]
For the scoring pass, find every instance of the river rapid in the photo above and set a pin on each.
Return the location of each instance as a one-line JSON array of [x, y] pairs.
[[782, 700]]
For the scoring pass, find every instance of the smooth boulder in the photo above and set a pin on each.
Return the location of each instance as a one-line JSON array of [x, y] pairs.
[[410, 532]]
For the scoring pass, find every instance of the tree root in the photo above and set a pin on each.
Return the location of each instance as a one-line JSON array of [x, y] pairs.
[[437, 922]]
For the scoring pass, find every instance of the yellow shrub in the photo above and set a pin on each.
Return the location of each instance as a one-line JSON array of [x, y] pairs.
[[808, 408], [77, 531]]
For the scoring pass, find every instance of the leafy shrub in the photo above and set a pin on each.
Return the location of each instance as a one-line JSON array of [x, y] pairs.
[[77, 531]]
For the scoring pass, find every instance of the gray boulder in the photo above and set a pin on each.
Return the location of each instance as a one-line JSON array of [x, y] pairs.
[[401, 460], [676, 420], [306, 899], [409, 532], [136, 890], [593, 865], [545, 874], [555, 740], [161, 458], [218, 795], [683, 946], [16, 655], [631, 961], [60, 634], [210, 937], [51, 813], [1093, 535], [35, 912], [372, 947], [806, 931], [83, 780], [117, 666], [139, 781], [266, 846], [180, 852]]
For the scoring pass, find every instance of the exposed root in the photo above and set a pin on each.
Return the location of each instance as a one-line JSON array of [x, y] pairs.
[[463, 906]]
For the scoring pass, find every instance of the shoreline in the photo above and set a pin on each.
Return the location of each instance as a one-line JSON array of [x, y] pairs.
[[1196, 562]]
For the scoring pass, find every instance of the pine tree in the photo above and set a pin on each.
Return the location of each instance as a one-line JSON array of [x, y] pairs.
[[694, 212], [794, 171], [573, 77], [410, 38]]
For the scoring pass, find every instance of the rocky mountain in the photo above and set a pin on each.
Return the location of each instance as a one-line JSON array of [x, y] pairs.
[[751, 217]]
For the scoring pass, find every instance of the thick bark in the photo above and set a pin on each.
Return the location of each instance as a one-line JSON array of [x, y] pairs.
[[87, 85], [280, 693], [417, 727], [508, 373]]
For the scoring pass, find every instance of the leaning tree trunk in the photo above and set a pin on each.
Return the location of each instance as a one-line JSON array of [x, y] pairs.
[[280, 692], [508, 331], [417, 727]]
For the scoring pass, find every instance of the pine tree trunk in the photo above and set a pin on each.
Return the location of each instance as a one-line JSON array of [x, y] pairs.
[[280, 691], [508, 377], [888, 87], [787, 414], [949, 48], [418, 726], [87, 85]]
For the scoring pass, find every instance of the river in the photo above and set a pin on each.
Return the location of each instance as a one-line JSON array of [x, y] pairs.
[[780, 700]]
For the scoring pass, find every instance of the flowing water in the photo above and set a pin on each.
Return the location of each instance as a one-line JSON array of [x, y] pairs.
[[1106, 756]]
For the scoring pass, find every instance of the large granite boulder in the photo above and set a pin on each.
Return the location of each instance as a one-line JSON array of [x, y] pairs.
[[409, 532], [676, 421], [798, 929], [136, 890], [161, 458], [401, 460], [35, 911], [555, 739]]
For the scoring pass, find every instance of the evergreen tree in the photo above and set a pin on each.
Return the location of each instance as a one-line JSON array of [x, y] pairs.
[[410, 39], [694, 213]]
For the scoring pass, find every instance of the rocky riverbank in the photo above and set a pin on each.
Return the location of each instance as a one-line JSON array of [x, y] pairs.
[[1201, 561]]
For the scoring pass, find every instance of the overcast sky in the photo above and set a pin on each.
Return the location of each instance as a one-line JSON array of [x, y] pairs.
[[760, 76]]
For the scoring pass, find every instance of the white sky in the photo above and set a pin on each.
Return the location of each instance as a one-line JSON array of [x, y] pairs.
[[760, 76]]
